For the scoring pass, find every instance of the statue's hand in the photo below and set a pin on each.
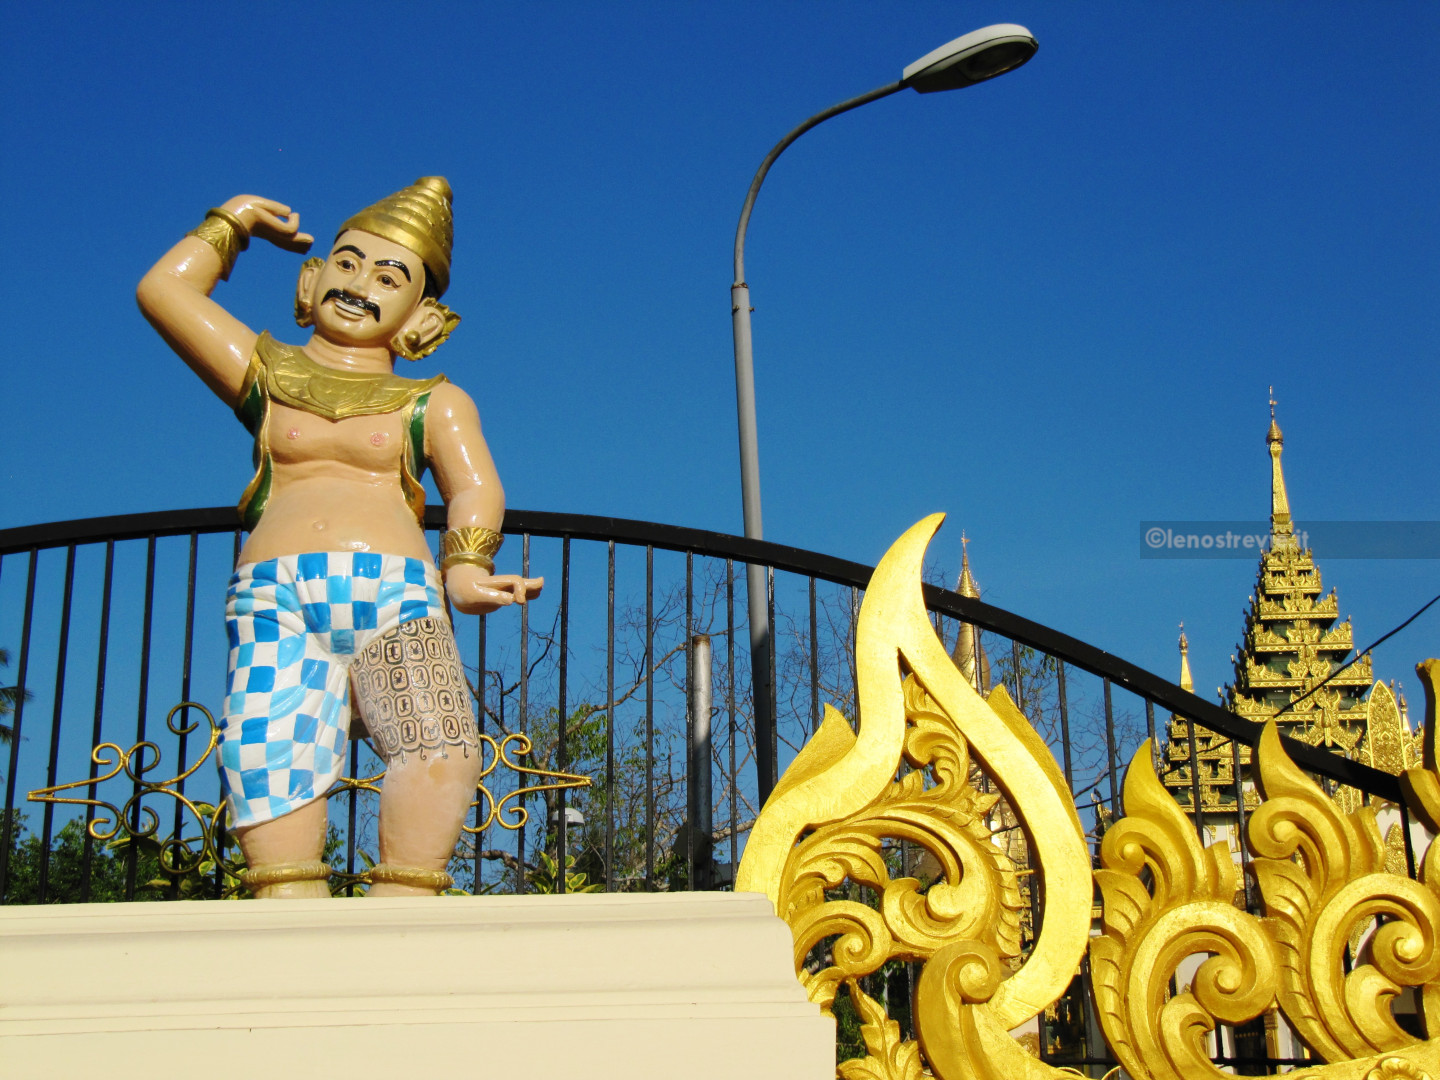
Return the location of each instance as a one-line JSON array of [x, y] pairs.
[[271, 220], [475, 592]]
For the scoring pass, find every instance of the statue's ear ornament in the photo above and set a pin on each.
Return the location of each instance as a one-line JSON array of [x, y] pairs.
[[304, 315], [409, 343]]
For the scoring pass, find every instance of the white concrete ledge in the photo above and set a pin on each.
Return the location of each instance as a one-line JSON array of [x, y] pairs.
[[692, 984]]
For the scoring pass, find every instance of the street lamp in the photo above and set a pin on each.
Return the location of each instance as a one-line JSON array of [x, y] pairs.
[[979, 55]]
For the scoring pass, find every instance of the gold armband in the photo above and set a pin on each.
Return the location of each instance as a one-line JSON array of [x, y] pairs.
[[475, 547], [226, 233], [413, 876]]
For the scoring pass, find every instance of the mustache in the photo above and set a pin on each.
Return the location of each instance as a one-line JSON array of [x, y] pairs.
[[354, 301]]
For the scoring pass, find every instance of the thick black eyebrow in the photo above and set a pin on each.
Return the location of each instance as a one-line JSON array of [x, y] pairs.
[[349, 247], [395, 263]]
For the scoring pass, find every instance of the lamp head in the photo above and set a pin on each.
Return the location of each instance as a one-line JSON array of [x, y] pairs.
[[979, 55]]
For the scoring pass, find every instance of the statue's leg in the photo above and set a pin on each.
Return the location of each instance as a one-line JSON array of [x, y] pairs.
[[411, 690], [283, 855], [283, 726]]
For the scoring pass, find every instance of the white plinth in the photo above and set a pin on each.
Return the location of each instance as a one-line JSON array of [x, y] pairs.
[[694, 985]]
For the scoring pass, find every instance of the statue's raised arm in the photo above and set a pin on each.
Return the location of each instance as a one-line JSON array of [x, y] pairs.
[[335, 594], [175, 294]]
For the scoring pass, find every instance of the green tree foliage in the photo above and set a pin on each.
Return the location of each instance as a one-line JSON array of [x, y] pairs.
[[66, 872], [9, 698]]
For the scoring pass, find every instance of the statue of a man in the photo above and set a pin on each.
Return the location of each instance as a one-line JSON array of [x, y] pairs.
[[335, 599]]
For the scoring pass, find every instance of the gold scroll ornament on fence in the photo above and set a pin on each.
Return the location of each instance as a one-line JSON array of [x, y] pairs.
[[839, 812], [181, 855]]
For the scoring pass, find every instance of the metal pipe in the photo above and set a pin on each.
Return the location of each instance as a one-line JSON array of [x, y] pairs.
[[702, 832]]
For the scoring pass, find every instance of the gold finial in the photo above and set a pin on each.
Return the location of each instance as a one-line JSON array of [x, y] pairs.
[[1187, 682], [966, 585], [1280, 522], [420, 219], [969, 651]]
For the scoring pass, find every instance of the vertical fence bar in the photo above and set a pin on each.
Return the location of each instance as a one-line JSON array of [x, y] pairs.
[[181, 752], [814, 663], [1110, 755], [482, 696], [1240, 824], [1195, 783], [649, 717], [221, 839], [7, 832], [1019, 685], [52, 767], [562, 747], [1150, 728], [524, 707], [1064, 722], [610, 721], [854, 674], [102, 649], [352, 816], [770, 681], [142, 706], [1409, 848], [730, 710]]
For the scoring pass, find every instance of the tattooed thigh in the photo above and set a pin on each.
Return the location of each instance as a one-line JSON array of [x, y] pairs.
[[412, 693]]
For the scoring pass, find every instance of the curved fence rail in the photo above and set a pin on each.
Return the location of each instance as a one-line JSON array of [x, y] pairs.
[[630, 669]]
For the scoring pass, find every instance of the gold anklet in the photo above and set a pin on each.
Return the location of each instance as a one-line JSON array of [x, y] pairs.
[[283, 874], [413, 876]]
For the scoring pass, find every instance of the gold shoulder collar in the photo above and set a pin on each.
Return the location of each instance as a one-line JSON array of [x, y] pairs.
[[293, 379]]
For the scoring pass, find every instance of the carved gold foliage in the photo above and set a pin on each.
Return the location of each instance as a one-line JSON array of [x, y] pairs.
[[839, 807], [888, 1057], [1166, 899], [976, 894], [1176, 953], [1315, 901]]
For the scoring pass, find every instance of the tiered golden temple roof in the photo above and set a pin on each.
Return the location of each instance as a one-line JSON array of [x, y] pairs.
[[1293, 641]]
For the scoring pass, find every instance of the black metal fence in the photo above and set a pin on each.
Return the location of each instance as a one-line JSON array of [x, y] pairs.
[[112, 633]]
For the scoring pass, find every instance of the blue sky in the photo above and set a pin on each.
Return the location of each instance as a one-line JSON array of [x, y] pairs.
[[1050, 305]]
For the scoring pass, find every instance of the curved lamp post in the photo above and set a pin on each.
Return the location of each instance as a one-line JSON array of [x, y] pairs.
[[979, 55]]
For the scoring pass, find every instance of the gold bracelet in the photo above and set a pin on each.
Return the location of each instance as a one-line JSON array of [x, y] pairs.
[[413, 876], [284, 874], [224, 232], [233, 220], [471, 546]]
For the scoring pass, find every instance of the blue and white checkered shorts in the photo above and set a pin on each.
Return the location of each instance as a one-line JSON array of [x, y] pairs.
[[295, 624]]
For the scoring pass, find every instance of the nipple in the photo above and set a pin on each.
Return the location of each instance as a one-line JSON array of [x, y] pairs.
[[379, 438]]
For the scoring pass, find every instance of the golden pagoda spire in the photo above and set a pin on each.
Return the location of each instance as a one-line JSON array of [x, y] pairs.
[[1186, 681], [969, 652], [966, 585], [1280, 523]]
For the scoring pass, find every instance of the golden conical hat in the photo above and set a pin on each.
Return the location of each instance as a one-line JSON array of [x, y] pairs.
[[418, 218]]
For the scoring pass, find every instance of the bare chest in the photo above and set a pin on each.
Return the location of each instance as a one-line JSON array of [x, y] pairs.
[[372, 443]]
